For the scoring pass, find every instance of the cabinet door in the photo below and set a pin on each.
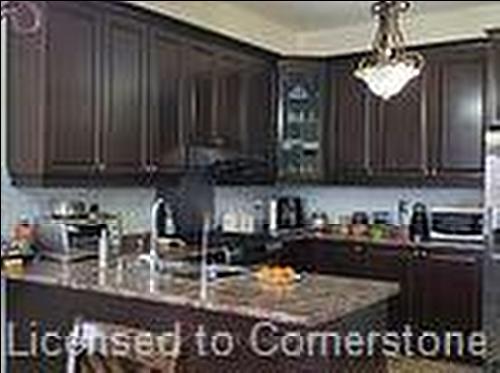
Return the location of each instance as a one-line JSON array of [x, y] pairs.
[[301, 122], [398, 141], [73, 88], [348, 133], [201, 63], [435, 305], [167, 102], [229, 79], [494, 79], [125, 95], [459, 125], [259, 131]]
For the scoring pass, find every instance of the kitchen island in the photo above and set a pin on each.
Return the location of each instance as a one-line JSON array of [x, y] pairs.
[[56, 295]]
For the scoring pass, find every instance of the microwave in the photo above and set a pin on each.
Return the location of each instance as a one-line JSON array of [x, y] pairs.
[[457, 224], [68, 239]]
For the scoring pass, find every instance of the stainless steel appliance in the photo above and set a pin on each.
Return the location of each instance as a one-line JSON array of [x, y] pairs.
[[457, 224], [71, 239]]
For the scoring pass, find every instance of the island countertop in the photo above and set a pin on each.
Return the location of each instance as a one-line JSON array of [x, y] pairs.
[[313, 301]]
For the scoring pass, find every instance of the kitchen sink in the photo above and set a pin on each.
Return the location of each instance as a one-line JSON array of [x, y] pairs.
[[190, 270]]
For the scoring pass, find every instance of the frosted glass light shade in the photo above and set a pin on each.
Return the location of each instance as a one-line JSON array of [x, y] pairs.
[[387, 79]]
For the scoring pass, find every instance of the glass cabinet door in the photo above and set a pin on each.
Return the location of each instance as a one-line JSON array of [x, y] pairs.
[[301, 121]]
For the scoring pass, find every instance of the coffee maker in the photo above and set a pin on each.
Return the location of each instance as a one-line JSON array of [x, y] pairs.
[[287, 213]]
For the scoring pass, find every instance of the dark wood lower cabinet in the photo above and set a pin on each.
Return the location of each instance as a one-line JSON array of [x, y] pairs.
[[111, 94], [441, 290]]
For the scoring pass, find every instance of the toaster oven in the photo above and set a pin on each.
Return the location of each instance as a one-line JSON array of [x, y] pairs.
[[76, 239]]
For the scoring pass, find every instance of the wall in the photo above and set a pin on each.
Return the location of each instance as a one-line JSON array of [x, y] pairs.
[[26, 202], [344, 200]]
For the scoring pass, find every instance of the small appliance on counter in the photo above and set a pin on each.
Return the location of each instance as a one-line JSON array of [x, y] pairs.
[[360, 222], [464, 224], [320, 221], [286, 213], [19, 249], [239, 222], [419, 224], [74, 239]]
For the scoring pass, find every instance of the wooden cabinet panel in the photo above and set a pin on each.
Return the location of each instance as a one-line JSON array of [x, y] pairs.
[[73, 86], [433, 305], [201, 60], [229, 101], [106, 90], [459, 122], [398, 140], [260, 130], [167, 104], [125, 95], [432, 132], [347, 135]]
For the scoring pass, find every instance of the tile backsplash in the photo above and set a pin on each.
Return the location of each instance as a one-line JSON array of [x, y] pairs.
[[133, 205], [338, 201]]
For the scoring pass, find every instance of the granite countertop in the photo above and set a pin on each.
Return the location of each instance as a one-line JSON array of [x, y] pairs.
[[313, 301]]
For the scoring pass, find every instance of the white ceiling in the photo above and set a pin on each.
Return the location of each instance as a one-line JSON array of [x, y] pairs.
[[318, 15]]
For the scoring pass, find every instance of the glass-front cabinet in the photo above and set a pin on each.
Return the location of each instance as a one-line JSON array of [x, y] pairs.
[[301, 117]]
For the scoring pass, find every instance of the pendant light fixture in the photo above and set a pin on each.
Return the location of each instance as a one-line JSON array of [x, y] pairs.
[[390, 67]]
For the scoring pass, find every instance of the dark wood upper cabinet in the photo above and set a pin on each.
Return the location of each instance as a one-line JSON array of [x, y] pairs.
[[457, 116], [494, 79], [301, 121], [168, 109], [126, 89], [105, 89], [229, 80], [73, 86], [54, 88], [431, 133], [259, 127], [398, 143], [347, 135], [201, 83]]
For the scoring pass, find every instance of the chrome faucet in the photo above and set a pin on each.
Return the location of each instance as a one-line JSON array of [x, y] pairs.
[[153, 246]]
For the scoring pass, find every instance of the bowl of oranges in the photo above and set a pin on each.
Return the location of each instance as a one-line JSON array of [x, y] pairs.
[[277, 275]]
